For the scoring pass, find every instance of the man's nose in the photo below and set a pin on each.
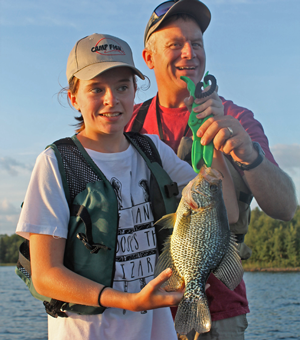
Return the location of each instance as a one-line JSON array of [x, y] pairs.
[[187, 51]]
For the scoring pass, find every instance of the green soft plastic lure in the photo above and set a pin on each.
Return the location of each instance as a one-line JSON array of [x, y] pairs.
[[200, 151]]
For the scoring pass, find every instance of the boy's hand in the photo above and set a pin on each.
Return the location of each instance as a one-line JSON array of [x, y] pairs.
[[152, 296]]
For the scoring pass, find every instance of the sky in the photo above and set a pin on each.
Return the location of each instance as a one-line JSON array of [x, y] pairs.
[[252, 48]]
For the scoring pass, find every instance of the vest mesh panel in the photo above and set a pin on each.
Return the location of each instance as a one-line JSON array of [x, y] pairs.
[[143, 144], [78, 171]]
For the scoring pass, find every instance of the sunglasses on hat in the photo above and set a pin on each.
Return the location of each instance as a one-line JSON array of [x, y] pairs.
[[159, 11], [194, 8]]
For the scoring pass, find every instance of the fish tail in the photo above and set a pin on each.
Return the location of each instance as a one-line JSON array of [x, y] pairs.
[[193, 314]]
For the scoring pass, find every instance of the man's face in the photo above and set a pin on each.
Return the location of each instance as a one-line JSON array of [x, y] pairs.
[[179, 51]]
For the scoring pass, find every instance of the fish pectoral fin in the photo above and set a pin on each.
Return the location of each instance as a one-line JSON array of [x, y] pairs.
[[187, 214], [165, 261], [193, 314], [230, 271], [167, 221]]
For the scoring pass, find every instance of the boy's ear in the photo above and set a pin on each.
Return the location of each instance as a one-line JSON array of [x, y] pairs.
[[147, 56], [73, 100]]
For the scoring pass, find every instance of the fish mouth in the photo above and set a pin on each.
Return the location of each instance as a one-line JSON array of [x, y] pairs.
[[212, 176]]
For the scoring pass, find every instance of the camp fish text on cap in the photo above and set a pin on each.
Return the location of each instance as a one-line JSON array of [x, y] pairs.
[[194, 8], [97, 53]]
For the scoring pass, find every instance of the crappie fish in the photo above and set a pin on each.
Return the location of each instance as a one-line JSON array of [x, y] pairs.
[[201, 243]]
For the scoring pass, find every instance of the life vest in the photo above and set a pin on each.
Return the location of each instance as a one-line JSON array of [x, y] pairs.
[[94, 216], [243, 194]]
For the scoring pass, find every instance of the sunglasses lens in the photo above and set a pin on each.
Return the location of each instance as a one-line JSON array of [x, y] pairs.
[[163, 8]]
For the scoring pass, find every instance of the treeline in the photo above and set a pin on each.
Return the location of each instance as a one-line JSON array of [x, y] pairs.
[[274, 244], [9, 248]]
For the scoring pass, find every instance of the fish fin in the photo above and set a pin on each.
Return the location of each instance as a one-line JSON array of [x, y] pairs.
[[167, 221], [165, 261], [193, 314], [182, 337], [196, 336], [230, 271]]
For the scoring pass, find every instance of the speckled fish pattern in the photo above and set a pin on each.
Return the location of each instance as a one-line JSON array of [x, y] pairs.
[[201, 243]]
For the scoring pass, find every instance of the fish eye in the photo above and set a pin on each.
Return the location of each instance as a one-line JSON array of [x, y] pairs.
[[213, 187]]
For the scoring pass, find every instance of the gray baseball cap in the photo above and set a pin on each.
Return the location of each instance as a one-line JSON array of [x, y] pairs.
[[194, 8], [97, 53]]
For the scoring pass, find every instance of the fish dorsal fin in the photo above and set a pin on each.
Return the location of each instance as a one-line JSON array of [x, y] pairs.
[[167, 221], [230, 271]]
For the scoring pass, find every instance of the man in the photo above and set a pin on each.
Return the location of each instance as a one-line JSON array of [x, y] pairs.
[[174, 48]]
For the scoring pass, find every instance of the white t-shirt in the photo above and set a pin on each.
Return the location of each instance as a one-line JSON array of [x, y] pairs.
[[45, 211]]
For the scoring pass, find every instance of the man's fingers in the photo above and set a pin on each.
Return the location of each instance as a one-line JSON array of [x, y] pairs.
[[189, 102]]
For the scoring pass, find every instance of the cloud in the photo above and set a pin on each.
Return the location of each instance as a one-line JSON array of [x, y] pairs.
[[9, 216], [6, 208], [12, 166], [56, 13], [287, 156]]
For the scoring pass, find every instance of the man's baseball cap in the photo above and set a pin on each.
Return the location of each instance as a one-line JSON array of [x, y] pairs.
[[97, 53], [194, 8]]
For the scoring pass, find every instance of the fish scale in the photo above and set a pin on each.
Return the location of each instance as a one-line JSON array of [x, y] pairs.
[[201, 243]]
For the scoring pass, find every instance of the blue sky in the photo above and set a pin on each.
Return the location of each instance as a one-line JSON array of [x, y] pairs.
[[252, 48]]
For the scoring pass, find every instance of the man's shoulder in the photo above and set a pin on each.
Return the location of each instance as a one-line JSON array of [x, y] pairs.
[[234, 110]]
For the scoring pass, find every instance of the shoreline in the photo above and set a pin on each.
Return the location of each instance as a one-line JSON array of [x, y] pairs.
[[275, 270], [254, 269]]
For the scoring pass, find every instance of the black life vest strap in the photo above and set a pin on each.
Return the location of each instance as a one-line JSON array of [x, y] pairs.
[[87, 238], [141, 116], [159, 124], [246, 198], [53, 308], [24, 257]]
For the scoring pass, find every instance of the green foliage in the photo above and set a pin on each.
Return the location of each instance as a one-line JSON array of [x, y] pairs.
[[9, 248], [274, 243]]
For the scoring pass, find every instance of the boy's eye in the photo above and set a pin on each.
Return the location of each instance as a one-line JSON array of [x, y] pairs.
[[96, 90], [123, 88]]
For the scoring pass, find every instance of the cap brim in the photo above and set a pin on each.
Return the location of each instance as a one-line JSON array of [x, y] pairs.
[[193, 8], [94, 70]]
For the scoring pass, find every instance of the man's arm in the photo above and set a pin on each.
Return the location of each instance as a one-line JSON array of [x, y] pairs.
[[273, 190]]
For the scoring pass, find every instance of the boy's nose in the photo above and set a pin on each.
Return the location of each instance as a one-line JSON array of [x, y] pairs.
[[110, 98]]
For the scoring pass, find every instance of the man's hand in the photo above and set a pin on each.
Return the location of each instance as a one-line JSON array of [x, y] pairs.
[[234, 141], [228, 136], [206, 106], [272, 188]]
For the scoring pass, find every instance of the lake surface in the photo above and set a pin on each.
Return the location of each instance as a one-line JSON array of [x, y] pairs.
[[274, 300]]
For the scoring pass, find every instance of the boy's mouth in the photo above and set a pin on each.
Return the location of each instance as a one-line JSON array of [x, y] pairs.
[[110, 114]]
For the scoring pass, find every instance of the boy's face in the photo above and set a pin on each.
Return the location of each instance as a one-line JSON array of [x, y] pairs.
[[106, 102]]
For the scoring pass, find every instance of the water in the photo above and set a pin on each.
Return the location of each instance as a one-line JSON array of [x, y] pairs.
[[22, 317], [274, 300]]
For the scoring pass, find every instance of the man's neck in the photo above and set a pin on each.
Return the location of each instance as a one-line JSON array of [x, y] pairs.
[[171, 99]]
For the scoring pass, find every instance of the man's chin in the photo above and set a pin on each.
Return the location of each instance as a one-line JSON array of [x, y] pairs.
[[193, 77]]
